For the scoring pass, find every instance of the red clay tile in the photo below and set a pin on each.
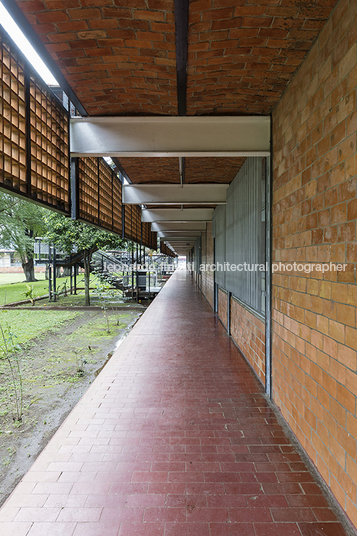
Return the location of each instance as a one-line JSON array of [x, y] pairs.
[[232, 529], [173, 438]]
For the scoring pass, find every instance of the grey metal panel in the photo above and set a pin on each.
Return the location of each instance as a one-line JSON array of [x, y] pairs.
[[197, 254], [243, 240], [219, 219]]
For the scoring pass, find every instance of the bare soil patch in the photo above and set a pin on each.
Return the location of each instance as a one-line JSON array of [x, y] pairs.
[[57, 369]]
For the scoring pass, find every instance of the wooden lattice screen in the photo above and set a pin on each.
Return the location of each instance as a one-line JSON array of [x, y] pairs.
[[34, 127], [100, 194], [166, 251], [132, 225], [35, 153]]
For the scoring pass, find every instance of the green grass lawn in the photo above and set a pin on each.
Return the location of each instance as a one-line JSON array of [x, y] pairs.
[[16, 292], [7, 279], [27, 326]]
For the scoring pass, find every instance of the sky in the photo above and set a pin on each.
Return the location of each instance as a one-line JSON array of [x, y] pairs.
[[26, 48]]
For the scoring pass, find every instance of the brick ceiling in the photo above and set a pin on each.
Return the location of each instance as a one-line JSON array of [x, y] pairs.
[[151, 170], [119, 55], [166, 170]]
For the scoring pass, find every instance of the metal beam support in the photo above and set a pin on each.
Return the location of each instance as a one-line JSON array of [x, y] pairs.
[[179, 239], [74, 178], [174, 194], [177, 215], [170, 136], [181, 227], [173, 234]]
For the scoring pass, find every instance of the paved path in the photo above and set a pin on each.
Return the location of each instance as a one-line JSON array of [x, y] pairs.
[[174, 438]]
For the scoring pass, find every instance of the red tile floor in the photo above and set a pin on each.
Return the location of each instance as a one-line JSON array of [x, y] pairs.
[[174, 438]]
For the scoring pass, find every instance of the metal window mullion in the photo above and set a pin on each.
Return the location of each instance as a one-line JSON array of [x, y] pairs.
[[268, 275], [28, 133], [98, 191]]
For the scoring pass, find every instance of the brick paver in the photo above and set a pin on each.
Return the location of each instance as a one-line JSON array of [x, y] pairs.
[[174, 438]]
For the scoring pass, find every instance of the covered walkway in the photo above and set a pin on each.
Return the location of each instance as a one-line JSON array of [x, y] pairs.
[[174, 438]]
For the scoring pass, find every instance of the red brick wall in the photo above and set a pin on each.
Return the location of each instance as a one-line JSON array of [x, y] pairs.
[[248, 331], [314, 220], [223, 306], [207, 258]]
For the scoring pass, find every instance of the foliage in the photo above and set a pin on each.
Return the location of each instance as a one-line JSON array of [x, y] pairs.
[[30, 294], [9, 351], [20, 222], [29, 326], [68, 234], [105, 295], [15, 292]]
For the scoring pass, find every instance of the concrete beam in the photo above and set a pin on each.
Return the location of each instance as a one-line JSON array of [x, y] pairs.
[[170, 136], [177, 215], [174, 194]]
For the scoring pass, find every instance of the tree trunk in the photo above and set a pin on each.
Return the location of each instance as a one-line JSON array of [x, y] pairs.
[[86, 260], [29, 270]]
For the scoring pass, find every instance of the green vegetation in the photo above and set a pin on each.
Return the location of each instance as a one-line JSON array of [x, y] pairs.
[[97, 330], [8, 279], [20, 223], [67, 234], [9, 352], [29, 326], [17, 291]]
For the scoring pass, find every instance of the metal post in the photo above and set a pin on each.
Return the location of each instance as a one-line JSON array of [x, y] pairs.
[[75, 279], [54, 276], [70, 275], [268, 275], [137, 276], [49, 274], [215, 292], [229, 296], [132, 271]]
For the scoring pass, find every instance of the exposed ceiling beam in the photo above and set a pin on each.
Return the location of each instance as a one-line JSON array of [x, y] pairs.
[[170, 136], [178, 239], [174, 194], [177, 215], [179, 234], [181, 36], [172, 226]]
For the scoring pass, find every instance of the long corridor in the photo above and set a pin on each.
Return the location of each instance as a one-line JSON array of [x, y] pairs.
[[173, 438]]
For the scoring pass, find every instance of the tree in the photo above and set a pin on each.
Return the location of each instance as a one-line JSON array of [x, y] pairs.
[[20, 222], [67, 234]]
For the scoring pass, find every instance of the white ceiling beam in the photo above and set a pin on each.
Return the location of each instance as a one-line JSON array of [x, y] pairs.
[[174, 239], [171, 234], [170, 136], [173, 226], [174, 194], [176, 214]]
